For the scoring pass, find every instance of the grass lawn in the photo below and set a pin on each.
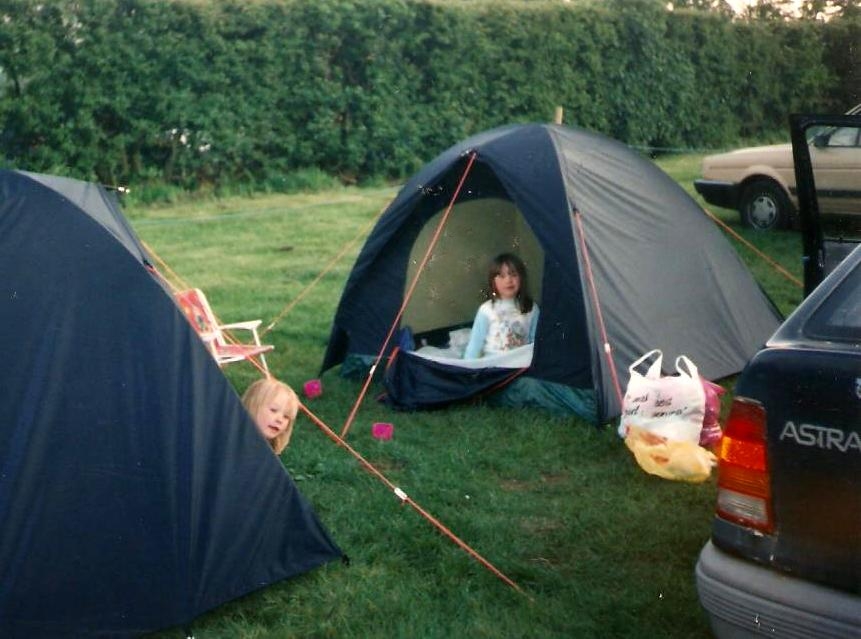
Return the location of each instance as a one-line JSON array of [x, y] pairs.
[[599, 548]]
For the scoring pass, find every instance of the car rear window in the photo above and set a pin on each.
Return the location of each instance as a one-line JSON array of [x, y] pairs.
[[839, 315]]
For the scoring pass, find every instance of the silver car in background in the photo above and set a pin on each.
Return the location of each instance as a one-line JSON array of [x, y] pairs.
[[760, 181]]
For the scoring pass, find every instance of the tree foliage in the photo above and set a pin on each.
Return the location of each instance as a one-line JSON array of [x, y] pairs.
[[193, 93], [822, 9]]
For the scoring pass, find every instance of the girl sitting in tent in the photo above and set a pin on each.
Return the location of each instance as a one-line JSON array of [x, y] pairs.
[[508, 318]]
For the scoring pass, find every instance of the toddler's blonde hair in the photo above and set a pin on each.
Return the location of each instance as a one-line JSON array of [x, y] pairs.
[[263, 391]]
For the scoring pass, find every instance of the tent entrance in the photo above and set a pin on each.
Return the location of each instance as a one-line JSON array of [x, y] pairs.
[[454, 281]]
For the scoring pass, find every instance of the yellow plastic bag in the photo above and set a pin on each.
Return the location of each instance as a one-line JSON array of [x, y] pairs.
[[679, 460]]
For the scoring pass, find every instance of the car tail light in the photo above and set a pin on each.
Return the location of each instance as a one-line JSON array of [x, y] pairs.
[[744, 487]]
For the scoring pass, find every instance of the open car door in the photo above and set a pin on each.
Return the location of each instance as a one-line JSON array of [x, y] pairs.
[[827, 153]]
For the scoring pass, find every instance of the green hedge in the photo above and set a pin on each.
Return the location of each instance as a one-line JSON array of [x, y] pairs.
[[239, 91]]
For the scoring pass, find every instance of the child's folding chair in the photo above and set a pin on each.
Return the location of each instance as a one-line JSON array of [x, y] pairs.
[[198, 312]]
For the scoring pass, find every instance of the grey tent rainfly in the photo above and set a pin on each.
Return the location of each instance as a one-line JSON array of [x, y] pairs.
[[622, 260], [135, 491]]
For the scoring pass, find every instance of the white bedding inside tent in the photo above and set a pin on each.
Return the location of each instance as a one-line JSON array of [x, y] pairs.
[[520, 357]]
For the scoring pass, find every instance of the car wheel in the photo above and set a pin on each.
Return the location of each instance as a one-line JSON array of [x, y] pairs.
[[764, 206]]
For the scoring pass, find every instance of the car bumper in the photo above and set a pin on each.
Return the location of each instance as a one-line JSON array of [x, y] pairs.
[[744, 599], [723, 194]]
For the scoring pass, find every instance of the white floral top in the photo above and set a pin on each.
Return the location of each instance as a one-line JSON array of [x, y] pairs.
[[500, 326]]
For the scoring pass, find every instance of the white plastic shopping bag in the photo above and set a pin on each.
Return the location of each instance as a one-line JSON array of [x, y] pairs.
[[668, 406]]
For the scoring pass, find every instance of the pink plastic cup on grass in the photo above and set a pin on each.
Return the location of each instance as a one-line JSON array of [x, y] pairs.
[[382, 430], [313, 388]]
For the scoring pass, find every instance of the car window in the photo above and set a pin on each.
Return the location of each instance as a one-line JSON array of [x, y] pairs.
[[837, 178], [843, 136], [838, 317], [827, 190]]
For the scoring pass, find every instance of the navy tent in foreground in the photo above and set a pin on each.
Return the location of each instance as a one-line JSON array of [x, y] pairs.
[[619, 257], [135, 491]]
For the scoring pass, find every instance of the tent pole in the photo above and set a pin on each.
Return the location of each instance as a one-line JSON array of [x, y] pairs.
[[409, 294], [593, 291]]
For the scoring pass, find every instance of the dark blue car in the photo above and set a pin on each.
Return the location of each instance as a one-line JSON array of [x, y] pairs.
[[784, 559]]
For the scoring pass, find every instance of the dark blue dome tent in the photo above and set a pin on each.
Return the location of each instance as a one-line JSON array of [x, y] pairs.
[[621, 260], [135, 491]]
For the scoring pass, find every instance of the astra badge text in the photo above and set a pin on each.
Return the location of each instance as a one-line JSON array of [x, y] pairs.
[[823, 437]]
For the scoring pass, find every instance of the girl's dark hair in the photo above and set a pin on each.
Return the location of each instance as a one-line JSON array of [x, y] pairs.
[[514, 263]]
